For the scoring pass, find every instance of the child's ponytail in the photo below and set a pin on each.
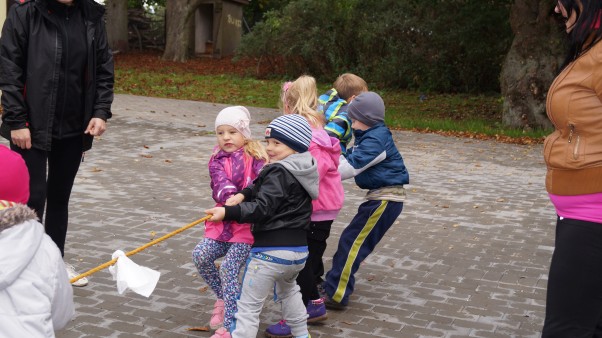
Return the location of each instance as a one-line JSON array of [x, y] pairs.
[[256, 150], [300, 97]]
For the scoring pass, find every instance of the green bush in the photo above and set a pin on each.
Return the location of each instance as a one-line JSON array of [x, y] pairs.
[[429, 45]]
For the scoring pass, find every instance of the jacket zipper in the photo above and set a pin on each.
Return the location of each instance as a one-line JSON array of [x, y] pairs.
[[577, 141], [65, 56]]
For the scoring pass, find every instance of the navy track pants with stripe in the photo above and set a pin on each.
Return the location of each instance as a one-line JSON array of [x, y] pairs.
[[357, 241]]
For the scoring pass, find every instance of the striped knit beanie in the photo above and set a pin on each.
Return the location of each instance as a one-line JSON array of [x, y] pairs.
[[292, 130]]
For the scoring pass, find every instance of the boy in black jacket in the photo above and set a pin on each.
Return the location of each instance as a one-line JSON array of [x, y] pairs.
[[278, 204]]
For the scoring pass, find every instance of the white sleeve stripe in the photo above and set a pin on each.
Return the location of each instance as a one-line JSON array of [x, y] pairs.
[[347, 170]]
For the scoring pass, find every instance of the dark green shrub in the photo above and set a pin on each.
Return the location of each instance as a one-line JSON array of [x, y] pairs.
[[438, 45]]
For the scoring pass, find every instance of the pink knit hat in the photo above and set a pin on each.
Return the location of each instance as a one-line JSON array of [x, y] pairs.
[[14, 177], [237, 117]]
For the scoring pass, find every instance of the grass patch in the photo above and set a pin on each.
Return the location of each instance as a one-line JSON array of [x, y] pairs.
[[476, 116]]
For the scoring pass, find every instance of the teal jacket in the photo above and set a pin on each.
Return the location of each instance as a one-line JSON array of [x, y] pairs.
[[338, 124]]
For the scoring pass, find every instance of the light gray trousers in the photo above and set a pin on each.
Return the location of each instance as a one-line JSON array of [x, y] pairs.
[[262, 278]]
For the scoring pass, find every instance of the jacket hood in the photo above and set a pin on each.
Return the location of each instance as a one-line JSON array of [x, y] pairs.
[[327, 144], [92, 10], [20, 237], [357, 133], [305, 169]]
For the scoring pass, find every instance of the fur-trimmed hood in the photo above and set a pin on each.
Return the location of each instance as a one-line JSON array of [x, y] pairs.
[[20, 237], [16, 215]]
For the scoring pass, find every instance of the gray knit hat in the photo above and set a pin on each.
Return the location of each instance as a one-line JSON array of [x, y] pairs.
[[292, 130], [368, 108]]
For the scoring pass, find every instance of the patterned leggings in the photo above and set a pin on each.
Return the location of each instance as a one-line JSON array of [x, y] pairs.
[[225, 282]]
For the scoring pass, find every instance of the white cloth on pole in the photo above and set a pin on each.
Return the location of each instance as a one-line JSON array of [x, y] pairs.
[[128, 274]]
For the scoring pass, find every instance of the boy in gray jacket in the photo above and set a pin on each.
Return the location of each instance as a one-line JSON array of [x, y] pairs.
[[278, 204]]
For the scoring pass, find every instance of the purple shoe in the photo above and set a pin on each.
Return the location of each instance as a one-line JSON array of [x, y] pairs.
[[316, 311], [279, 330]]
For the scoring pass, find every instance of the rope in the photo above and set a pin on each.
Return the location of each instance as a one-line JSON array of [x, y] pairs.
[[135, 251]]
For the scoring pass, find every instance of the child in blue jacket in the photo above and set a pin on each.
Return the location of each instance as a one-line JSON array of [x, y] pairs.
[[377, 165]]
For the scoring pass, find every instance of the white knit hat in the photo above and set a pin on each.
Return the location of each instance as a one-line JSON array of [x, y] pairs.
[[237, 117]]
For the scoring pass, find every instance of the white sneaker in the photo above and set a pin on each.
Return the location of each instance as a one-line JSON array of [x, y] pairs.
[[72, 274]]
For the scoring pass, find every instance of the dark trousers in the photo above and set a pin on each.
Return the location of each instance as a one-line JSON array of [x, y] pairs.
[[52, 188], [357, 241], [574, 299], [313, 270]]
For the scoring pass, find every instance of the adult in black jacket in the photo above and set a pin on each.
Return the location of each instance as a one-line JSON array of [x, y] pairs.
[[56, 77]]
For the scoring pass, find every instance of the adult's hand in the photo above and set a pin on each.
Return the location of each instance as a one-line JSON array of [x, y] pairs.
[[21, 138], [96, 127]]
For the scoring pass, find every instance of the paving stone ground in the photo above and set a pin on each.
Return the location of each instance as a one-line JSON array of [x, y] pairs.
[[468, 257]]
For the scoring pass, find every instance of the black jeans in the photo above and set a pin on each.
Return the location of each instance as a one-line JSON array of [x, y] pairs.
[[53, 189], [314, 267], [574, 298]]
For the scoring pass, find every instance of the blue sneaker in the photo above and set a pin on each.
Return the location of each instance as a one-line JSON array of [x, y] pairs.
[[316, 311], [279, 330]]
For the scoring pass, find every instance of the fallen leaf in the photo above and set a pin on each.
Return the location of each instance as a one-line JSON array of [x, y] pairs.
[[96, 170], [145, 146], [152, 235], [203, 289], [198, 328], [147, 156], [168, 161]]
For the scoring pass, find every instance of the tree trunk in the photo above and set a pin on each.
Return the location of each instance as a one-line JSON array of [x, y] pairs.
[[179, 29], [531, 64], [117, 25]]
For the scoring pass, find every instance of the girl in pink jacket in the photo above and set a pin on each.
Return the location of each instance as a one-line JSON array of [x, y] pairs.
[[235, 163]]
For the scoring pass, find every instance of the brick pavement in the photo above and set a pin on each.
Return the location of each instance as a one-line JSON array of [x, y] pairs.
[[468, 257]]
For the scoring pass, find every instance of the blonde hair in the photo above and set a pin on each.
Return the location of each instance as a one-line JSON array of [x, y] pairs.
[[256, 150], [348, 85], [301, 97]]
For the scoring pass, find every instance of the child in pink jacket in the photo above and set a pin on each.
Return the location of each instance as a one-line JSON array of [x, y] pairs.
[[234, 165]]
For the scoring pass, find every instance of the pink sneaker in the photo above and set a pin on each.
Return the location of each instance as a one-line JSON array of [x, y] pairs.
[[217, 316], [221, 333]]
